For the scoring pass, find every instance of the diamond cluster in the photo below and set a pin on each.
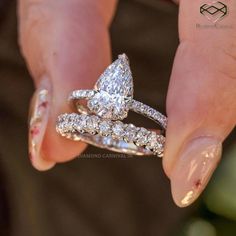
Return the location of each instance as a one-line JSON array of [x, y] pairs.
[[79, 123]]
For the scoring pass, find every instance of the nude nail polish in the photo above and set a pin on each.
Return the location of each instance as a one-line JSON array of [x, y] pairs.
[[39, 113], [194, 168]]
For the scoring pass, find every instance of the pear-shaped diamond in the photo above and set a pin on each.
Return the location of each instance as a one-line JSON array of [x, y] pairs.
[[117, 78], [114, 91]]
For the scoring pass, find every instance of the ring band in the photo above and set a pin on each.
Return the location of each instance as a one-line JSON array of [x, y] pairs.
[[136, 106], [112, 135]]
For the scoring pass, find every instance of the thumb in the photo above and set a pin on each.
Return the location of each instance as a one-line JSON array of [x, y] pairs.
[[57, 39], [201, 104]]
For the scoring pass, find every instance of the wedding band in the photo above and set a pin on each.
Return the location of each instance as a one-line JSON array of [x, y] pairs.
[[112, 96], [113, 135]]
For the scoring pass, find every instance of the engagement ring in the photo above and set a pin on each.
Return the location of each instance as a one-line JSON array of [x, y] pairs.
[[112, 96]]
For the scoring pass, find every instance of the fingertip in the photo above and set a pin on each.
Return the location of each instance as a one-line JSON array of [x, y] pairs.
[[60, 149], [42, 164], [194, 168]]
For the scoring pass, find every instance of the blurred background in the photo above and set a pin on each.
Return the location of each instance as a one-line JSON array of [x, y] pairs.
[[93, 197]]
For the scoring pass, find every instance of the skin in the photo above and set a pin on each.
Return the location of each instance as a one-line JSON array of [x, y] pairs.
[[201, 91]]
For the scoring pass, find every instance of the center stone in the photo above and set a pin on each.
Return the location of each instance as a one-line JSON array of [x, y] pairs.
[[114, 90], [109, 106]]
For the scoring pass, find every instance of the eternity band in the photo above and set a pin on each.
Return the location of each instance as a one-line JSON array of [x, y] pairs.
[[113, 135]]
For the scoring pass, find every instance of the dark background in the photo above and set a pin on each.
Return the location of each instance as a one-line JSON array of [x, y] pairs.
[[104, 197]]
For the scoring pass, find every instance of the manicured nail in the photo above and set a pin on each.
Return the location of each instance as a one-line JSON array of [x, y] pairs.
[[39, 113], [194, 168]]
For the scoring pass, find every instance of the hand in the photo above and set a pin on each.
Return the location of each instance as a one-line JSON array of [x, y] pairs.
[[201, 102], [66, 46], [57, 40]]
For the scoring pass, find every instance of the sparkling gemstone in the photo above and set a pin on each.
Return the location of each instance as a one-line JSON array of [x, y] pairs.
[[104, 127], [108, 106], [152, 140], [114, 88], [142, 108], [150, 112], [158, 148], [117, 78], [92, 124], [82, 122], [130, 133], [142, 137], [118, 129]]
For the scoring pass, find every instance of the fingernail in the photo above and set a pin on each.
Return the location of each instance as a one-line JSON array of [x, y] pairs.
[[39, 113], [194, 168]]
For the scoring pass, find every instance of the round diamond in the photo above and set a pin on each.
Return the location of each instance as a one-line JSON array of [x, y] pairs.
[[156, 143], [158, 148], [142, 137], [150, 112], [118, 130], [104, 127], [152, 140], [130, 133], [81, 124], [92, 124]]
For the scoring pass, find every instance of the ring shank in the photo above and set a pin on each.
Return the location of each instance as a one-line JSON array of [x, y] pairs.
[[78, 96]]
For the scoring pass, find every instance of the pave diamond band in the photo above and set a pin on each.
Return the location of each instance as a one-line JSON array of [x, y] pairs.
[[113, 135], [149, 112], [136, 106]]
